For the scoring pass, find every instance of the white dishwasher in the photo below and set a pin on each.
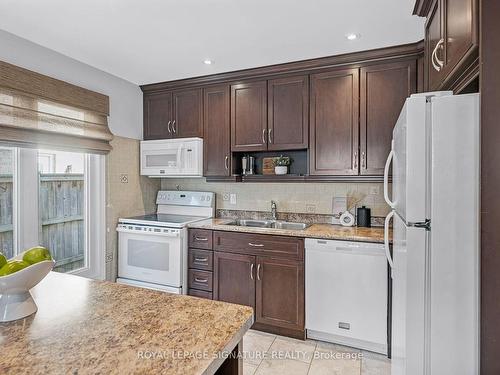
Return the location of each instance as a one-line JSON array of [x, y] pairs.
[[346, 293]]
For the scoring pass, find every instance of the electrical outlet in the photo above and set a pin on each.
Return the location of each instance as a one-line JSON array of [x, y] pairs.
[[109, 257], [225, 197], [374, 190], [124, 178], [310, 208], [232, 198]]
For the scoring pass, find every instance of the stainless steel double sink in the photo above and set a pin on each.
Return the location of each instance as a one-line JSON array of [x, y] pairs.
[[272, 224]]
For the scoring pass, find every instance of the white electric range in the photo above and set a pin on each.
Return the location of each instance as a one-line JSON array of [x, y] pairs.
[[152, 249]]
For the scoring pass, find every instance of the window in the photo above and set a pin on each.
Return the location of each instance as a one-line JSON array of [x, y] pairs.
[[61, 189], [6, 202], [54, 199]]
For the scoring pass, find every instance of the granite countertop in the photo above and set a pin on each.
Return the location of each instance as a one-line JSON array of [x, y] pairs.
[[85, 326], [323, 231]]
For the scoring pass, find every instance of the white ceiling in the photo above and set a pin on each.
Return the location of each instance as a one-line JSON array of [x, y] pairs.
[[161, 40]]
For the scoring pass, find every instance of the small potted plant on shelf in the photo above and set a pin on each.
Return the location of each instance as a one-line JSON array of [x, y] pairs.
[[281, 164]]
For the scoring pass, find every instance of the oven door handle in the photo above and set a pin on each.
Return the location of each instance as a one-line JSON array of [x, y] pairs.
[[133, 231]]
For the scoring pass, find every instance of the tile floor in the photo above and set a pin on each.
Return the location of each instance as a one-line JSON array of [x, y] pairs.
[[271, 354]]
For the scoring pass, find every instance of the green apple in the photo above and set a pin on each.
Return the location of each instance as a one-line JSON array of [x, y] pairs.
[[13, 266], [3, 260], [37, 254]]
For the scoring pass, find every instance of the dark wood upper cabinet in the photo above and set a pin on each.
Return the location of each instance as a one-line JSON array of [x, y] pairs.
[[157, 116], [280, 293], [433, 33], [288, 113], [383, 91], [173, 114], [187, 113], [216, 131], [249, 116], [234, 276], [334, 112], [451, 42]]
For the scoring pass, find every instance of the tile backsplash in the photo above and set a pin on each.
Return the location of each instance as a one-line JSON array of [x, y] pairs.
[[310, 198]]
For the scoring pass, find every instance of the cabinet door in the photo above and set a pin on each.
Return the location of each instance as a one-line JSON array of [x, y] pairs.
[[288, 113], [188, 113], [433, 34], [334, 113], [234, 278], [158, 116], [216, 134], [280, 293], [249, 116], [384, 89], [461, 31]]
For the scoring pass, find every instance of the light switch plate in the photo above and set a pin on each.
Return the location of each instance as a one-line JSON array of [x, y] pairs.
[[232, 198]]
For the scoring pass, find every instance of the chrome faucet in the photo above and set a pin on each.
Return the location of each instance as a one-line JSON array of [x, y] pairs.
[[273, 210]]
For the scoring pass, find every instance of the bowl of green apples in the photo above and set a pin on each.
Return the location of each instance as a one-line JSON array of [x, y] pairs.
[[17, 276]]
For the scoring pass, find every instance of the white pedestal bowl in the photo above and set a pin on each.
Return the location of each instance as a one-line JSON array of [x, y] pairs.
[[16, 301]]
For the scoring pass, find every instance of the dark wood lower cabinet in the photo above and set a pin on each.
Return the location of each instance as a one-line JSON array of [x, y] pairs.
[[280, 295], [234, 278], [273, 285]]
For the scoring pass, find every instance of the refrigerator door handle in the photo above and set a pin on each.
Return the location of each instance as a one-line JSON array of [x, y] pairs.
[[386, 179], [386, 239]]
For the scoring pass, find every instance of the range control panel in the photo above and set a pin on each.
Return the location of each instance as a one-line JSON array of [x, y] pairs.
[[186, 198]]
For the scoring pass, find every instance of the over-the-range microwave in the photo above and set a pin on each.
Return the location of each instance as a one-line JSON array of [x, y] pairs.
[[182, 157]]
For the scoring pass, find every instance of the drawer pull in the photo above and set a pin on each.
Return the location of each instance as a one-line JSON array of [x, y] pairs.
[[256, 244], [203, 260], [200, 280], [200, 238]]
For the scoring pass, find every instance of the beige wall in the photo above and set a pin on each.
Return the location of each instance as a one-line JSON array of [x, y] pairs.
[[123, 199], [290, 197]]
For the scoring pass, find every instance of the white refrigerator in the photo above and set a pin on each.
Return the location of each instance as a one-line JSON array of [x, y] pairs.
[[435, 253]]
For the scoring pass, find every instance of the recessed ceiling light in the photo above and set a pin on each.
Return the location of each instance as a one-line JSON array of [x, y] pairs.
[[352, 36], [208, 62]]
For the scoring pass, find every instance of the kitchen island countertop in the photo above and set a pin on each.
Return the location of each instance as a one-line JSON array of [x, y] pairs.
[[86, 326]]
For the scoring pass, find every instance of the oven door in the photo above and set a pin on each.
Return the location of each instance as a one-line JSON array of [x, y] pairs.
[[154, 258]]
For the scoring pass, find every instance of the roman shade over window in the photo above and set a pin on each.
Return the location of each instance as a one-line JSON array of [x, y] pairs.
[[40, 111]]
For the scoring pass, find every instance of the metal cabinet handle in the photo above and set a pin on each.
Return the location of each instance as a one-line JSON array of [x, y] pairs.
[[258, 272], [363, 160], [200, 280], [251, 271], [168, 127], [174, 127], [264, 136], [269, 135], [436, 63], [201, 260], [226, 162], [200, 238], [355, 160], [256, 244]]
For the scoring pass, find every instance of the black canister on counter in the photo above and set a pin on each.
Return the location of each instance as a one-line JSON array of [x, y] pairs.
[[364, 217]]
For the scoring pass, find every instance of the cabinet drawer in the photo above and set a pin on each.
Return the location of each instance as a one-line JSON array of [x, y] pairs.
[[200, 293], [201, 259], [200, 280], [259, 244], [200, 238]]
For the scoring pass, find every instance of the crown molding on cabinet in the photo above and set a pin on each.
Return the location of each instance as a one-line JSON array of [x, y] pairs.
[[304, 66]]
